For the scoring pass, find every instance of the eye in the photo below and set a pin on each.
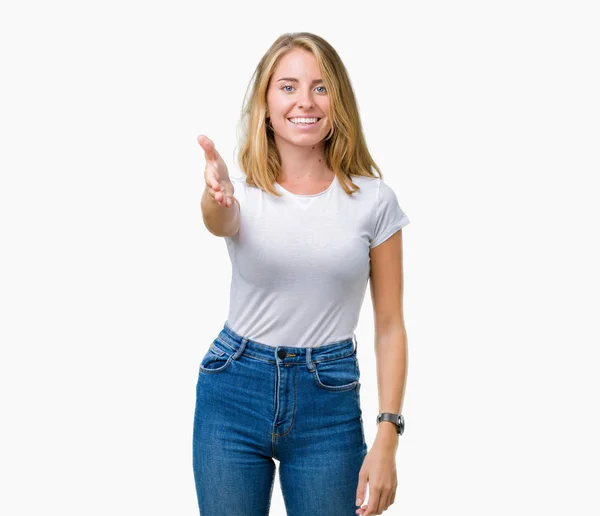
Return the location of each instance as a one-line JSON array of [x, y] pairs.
[[283, 88]]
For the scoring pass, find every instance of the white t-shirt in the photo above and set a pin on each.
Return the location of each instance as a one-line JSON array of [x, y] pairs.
[[300, 263]]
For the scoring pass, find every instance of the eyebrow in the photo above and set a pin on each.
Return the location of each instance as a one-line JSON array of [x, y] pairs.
[[296, 80]]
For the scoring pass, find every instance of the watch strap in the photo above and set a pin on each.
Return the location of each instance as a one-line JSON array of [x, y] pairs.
[[397, 419]]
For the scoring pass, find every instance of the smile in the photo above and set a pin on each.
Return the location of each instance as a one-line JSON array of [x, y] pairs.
[[304, 122]]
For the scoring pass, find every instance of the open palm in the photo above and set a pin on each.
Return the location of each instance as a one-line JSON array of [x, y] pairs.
[[216, 174]]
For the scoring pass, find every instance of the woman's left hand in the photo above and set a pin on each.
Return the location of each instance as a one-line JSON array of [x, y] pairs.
[[379, 471]]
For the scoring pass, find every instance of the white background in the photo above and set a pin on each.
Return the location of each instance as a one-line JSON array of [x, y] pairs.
[[484, 118]]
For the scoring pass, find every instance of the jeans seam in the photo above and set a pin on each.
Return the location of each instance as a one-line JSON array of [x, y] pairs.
[[295, 407], [221, 369]]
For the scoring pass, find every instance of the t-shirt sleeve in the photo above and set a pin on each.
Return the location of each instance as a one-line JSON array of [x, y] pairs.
[[389, 216]]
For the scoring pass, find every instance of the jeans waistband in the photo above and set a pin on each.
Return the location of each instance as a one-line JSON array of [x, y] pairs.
[[288, 354]]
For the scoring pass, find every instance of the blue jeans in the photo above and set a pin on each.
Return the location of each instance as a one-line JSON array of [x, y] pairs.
[[301, 406]]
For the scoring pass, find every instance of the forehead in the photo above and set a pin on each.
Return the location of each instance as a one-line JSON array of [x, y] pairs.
[[298, 63]]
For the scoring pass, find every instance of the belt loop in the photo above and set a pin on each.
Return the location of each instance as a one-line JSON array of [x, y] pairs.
[[309, 363], [355, 344], [241, 348]]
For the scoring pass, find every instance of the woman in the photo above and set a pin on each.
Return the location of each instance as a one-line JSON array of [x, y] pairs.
[[305, 229]]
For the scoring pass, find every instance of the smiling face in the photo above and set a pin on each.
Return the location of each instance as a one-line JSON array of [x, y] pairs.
[[296, 90]]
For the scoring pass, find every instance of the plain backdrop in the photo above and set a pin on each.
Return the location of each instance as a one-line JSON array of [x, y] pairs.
[[484, 118]]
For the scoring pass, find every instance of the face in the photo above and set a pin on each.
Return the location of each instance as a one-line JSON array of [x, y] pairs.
[[305, 96]]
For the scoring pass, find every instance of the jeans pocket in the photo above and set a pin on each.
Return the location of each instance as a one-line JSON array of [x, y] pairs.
[[340, 374], [217, 358]]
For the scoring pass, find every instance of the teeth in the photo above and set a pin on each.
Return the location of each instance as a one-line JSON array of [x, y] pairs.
[[303, 120]]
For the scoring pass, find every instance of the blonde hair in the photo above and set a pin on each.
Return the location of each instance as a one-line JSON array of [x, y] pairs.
[[346, 151]]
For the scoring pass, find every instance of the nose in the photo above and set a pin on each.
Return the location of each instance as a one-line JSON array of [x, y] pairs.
[[305, 100]]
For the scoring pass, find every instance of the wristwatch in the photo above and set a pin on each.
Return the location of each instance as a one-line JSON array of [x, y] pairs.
[[397, 419]]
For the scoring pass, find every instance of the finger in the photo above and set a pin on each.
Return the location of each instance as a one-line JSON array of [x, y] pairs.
[[390, 499], [205, 143], [210, 151], [211, 180], [361, 489], [207, 146], [214, 196], [373, 506], [215, 185], [362, 510], [217, 196], [225, 200], [384, 502]]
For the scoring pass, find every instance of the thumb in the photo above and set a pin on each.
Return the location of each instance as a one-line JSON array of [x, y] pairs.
[[208, 146]]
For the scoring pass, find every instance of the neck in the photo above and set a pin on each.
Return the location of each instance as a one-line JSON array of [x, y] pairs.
[[302, 164]]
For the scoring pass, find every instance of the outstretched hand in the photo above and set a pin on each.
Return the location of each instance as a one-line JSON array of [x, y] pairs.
[[216, 175]]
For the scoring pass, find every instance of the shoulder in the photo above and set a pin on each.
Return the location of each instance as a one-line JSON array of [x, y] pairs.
[[369, 188], [374, 191], [366, 181], [371, 184], [385, 193], [380, 191]]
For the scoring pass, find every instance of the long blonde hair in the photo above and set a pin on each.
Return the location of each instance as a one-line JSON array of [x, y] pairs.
[[346, 151]]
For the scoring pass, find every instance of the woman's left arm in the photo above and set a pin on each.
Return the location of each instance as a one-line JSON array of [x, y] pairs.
[[379, 467]]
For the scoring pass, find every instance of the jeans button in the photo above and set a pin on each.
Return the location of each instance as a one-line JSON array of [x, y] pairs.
[[281, 353]]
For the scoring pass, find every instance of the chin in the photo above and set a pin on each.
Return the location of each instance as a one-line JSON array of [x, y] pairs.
[[307, 142], [303, 140]]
